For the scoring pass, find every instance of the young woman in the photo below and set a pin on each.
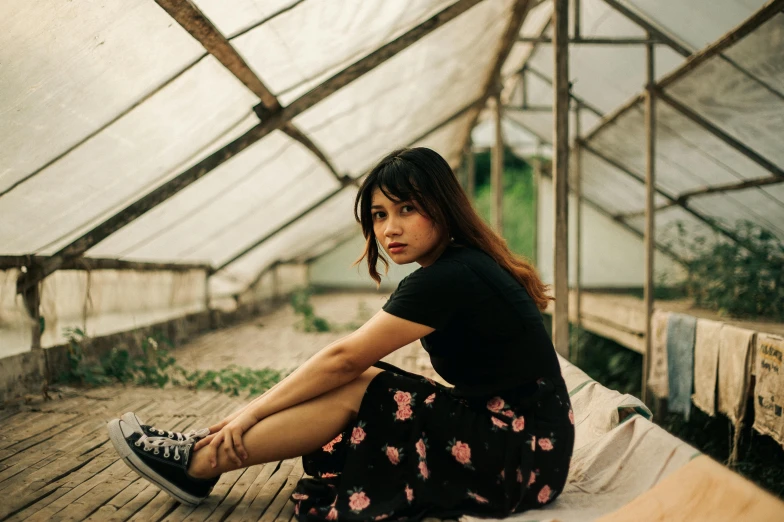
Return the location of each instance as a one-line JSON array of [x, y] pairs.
[[380, 442]]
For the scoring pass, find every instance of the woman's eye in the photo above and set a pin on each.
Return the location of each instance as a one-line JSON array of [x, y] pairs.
[[377, 215], [409, 207]]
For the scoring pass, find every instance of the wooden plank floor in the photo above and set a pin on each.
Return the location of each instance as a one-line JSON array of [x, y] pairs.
[[56, 461]]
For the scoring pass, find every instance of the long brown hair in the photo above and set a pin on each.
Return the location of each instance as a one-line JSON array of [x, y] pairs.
[[423, 176]]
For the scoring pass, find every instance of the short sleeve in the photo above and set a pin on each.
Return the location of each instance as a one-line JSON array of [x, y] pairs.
[[430, 295]]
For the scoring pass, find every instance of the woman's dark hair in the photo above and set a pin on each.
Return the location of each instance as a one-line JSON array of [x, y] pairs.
[[422, 176]]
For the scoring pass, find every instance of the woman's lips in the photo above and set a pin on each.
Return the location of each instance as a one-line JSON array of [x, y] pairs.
[[396, 249]]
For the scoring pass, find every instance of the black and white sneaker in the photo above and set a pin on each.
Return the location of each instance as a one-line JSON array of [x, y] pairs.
[[152, 431], [161, 460]]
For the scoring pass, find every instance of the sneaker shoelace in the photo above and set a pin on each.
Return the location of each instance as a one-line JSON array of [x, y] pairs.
[[187, 437], [155, 444]]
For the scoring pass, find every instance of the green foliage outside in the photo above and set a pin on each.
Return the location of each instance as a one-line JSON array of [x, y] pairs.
[[733, 280], [157, 367], [519, 219]]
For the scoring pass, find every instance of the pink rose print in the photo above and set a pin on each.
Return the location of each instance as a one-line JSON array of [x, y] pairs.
[[402, 398], [518, 424], [329, 447], [299, 496], [478, 498], [533, 443], [392, 454], [357, 436], [296, 508], [312, 511], [532, 478], [495, 404], [544, 494], [430, 398], [332, 515], [431, 381], [328, 475], [423, 470], [503, 474], [358, 501], [545, 444], [409, 494], [461, 452], [403, 412], [519, 476], [571, 416], [499, 423], [508, 413], [381, 517], [421, 448]]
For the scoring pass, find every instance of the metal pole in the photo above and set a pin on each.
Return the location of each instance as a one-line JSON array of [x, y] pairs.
[[561, 175], [497, 172], [578, 189], [650, 184]]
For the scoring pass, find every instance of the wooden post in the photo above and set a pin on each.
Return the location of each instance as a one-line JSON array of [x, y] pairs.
[[561, 176], [537, 180], [470, 171], [650, 184], [497, 170], [578, 189], [32, 301]]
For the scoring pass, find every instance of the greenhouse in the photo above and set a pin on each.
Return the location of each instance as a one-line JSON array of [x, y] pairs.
[[178, 234]]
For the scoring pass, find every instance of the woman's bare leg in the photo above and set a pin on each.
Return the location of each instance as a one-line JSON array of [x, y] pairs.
[[295, 431]]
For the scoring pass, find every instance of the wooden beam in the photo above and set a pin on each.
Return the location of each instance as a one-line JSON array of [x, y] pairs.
[[497, 169], [650, 212], [470, 171], [653, 31], [724, 187], [274, 121], [720, 134], [519, 12], [346, 181], [92, 263], [561, 176], [708, 221], [578, 191], [694, 60], [202, 29], [589, 41]]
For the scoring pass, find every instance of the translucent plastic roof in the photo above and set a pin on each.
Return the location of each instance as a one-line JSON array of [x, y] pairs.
[[739, 91], [103, 104]]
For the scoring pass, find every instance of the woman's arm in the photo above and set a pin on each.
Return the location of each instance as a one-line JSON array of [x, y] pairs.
[[335, 365]]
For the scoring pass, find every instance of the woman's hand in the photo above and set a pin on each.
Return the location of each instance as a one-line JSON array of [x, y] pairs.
[[226, 436]]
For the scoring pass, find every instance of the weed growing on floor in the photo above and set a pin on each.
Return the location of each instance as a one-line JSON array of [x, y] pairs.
[[310, 322], [157, 367]]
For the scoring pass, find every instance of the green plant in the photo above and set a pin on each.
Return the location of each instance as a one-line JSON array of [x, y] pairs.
[[157, 367], [310, 322], [732, 279], [80, 370]]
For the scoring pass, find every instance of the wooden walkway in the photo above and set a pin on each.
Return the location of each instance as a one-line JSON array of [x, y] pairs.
[[56, 461]]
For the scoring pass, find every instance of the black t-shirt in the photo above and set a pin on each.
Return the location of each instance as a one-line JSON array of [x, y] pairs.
[[489, 334]]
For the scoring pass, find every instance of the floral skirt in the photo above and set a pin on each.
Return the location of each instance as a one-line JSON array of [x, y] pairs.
[[417, 450]]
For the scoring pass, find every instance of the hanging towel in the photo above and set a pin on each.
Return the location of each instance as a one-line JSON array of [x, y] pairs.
[[657, 367], [706, 363], [734, 370], [735, 357], [681, 329], [769, 390]]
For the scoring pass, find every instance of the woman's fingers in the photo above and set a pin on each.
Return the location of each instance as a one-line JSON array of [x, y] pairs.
[[237, 435], [228, 449], [213, 449], [203, 442], [215, 428]]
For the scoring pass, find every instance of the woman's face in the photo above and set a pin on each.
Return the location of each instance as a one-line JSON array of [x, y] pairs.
[[405, 233]]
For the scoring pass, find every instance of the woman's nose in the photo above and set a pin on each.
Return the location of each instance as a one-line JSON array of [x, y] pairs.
[[393, 228]]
